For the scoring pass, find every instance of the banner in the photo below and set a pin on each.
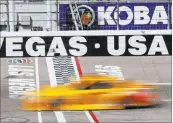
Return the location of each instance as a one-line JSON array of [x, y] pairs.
[[110, 45], [104, 16]]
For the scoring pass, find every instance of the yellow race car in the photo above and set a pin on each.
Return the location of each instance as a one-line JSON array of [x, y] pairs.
[[92, 92]]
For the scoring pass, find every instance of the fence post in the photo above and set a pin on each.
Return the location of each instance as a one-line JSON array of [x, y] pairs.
[[11, 15], [8, 22], [49, 15], [57, 15], [118, 14], [169, 9]]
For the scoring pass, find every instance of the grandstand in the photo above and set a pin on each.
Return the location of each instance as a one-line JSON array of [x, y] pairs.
[[43, 15]]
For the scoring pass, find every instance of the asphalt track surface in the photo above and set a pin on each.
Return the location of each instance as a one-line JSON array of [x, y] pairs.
[[140, 68]]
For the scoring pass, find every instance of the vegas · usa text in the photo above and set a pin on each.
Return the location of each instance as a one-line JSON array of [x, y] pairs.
[[84, 46]]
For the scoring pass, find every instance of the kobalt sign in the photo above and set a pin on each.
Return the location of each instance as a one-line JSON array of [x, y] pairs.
[[130, 45], [140, 15], [104, 15]]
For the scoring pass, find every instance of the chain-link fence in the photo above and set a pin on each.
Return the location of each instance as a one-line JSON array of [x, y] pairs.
[[53, 15], [24, 15]]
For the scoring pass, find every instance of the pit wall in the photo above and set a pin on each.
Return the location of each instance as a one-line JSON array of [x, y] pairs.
[[87, 43]]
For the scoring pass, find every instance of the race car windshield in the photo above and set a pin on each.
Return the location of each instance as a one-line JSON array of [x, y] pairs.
[[97, 85]]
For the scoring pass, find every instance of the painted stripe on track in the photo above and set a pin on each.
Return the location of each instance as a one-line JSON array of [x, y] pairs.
[[166, 100], [39, 117], [75, 68], [59, 114], [159, 83], [37, 86], [51, 71], [91, 116]]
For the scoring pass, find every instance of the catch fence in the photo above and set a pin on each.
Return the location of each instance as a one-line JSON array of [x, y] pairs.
[[66, 15]]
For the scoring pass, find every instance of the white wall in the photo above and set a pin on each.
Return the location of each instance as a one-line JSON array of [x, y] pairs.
[[86, 33]]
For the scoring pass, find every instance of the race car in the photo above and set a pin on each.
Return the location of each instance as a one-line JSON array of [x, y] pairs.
[[93, 92]]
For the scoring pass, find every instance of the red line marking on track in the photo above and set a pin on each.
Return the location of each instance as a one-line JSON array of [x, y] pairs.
[[78, 66], [80, 73]]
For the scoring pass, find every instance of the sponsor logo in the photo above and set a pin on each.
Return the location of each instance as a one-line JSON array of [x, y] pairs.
[[110, 71], [86, 14], [24, 80], [141, 15], [131, 45], [19, 61]]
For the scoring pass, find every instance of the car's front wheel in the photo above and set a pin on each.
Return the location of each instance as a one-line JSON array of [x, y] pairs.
[[56, 102]]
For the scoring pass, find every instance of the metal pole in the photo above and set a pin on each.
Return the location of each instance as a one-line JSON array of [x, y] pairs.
[[78, 15], [11, 15], [57, 15], [169, 9], [73, 17], [117, 14], [8, 22], [49, 16]]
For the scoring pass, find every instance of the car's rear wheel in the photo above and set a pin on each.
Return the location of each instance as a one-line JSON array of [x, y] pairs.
[[126, 102]]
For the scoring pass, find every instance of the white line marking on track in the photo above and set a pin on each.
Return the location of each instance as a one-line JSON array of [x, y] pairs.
[[166, 100], [89, 117], [51, 71], [59, 114], [159, 83], [75, 68], [37, 75], [78, 78], [39, 117], [60, 117], [37, 86]]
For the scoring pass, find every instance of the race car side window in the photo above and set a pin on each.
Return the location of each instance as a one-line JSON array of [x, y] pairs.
[[99, 85]]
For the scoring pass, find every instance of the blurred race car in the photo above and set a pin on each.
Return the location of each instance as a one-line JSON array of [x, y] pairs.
[[93, 92]]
